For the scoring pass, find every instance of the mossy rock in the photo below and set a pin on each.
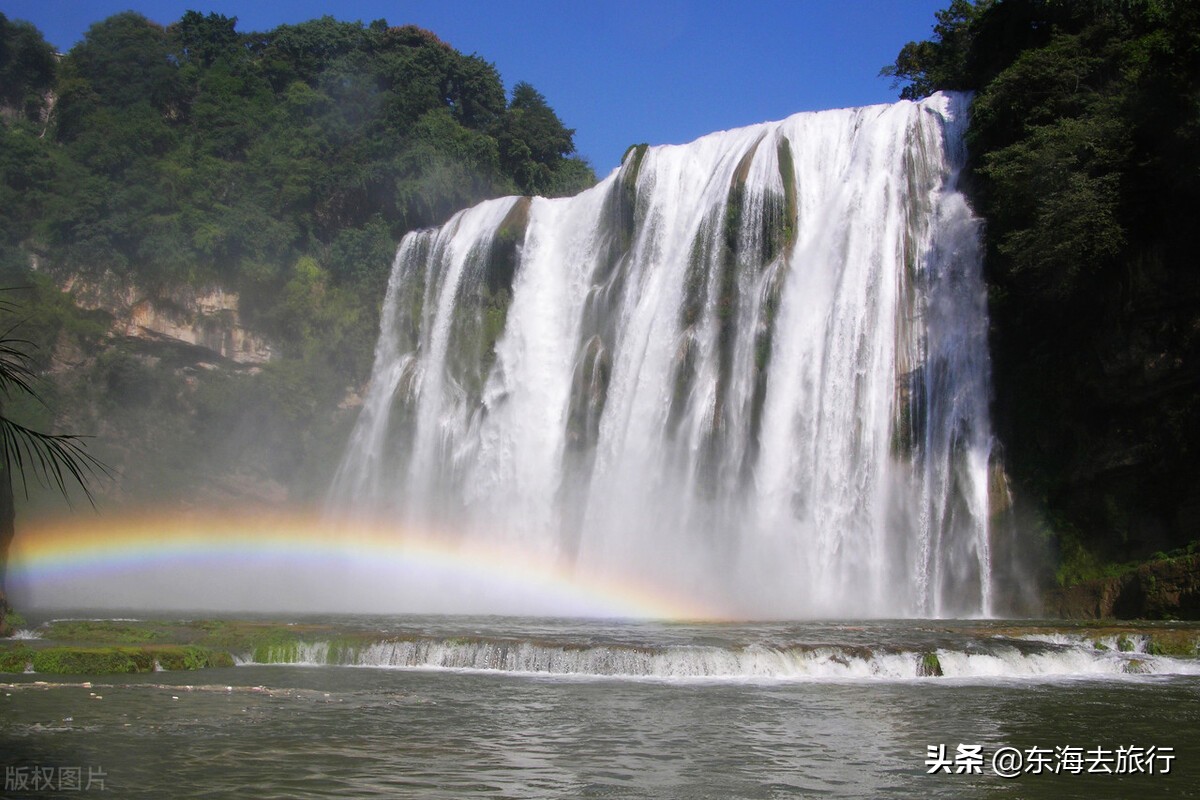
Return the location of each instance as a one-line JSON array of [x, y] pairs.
[[503, 258], [589, 393], [276, 647], [627, 188], [1172, 643], [15, 659], [930, 666], [343, 651], [189, 657], [787, 174], [639, 152], [220, 660], [5, 613], [92, 660], [179, 645]]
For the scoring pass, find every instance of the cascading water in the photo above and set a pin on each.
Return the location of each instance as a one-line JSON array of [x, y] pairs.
[[753, 367]]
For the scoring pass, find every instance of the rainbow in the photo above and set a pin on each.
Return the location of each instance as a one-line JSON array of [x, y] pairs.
[[274, 562]]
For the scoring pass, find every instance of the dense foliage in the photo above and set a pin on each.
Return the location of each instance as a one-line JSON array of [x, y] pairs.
[[1085, 147], [26, 69], [282, 165], [195, 153]]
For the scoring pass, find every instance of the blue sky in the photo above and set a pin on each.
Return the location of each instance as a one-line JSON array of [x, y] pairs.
[[618, 71]]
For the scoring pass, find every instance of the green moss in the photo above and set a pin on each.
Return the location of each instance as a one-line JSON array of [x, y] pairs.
[[219, 659], [728, 265], [589, 392], [493, 319], [276, 647], [188, 645], [276, 653], [1124, 644], [343, 651], [638, 151], [1076, 562], [930, 666], [104, 631], [682, 381], [240, 636], [695, 283], [503, 258], [631, 167], [787, 173], [482, 302], [778, 218], [15, 659], [1173, 643], [908, 424], [92, 660], [902, 438], [622, 203], [189, 657], [14, 619]]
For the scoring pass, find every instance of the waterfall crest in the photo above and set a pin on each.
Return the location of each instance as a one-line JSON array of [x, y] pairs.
[[753, 367]]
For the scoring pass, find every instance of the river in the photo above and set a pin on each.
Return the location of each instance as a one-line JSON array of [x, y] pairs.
[[625, 709]]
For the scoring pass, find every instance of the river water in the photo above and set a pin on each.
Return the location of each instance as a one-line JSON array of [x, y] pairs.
[[569, 708]]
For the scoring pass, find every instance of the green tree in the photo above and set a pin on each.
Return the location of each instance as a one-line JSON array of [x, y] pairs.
[[27, 68], [939, 63], [123, 62], [203, 40], [533, 140]]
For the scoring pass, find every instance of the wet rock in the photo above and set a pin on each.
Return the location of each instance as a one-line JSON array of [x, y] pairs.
[[1164, 589]]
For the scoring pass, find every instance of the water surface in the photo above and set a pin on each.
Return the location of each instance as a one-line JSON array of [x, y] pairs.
[[287, 730]]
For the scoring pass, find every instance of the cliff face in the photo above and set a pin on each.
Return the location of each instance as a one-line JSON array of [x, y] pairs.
[[185, 405], [1163, 589], [206, 318], [1098, 407]]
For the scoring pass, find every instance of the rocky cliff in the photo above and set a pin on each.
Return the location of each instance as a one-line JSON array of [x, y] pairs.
[[206, 318], [1163, 589]]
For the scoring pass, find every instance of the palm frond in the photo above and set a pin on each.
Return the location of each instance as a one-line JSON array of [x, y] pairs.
[[16, 363], [16, 366], [54, 459]]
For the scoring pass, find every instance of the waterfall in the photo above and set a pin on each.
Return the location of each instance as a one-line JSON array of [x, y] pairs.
[[753, 367]]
